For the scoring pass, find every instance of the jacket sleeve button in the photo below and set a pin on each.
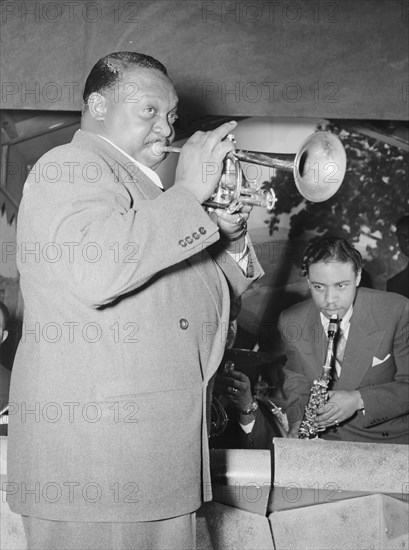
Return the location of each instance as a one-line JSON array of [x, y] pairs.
[[189, 240], [385, 434], [182, 243], [183, 323], [202, 231]]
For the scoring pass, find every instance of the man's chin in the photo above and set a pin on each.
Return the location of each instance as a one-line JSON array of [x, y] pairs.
[[150, 159]]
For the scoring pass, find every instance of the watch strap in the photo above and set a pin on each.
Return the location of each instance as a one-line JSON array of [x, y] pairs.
[[250, 409]]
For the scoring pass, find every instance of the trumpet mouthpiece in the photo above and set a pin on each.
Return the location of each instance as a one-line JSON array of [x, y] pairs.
[[158, 148]]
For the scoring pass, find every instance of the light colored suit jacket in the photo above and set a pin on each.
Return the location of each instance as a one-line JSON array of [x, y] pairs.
[[376, 362], [126, 292]]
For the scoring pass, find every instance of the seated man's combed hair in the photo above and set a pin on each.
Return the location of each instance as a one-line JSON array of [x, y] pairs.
[[325, 249]]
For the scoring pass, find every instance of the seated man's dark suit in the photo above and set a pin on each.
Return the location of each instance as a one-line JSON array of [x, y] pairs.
[[261, 436], [399, 283]]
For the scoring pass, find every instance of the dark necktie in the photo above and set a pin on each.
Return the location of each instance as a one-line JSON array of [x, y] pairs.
[[340, 344]]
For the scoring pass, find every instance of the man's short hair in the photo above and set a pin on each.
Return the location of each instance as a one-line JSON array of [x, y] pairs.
[[112, 69], [327, 249]]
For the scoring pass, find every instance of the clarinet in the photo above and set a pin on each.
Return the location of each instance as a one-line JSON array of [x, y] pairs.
[[319, 391]]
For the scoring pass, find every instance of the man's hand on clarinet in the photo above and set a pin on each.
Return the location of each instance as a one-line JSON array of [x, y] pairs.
[[340, 406]]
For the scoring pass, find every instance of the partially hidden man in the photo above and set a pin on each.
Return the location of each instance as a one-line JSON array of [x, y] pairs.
[[369, 391], [126, 314]]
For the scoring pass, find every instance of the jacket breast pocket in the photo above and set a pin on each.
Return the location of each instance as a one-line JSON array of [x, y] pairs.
[[380, 373]]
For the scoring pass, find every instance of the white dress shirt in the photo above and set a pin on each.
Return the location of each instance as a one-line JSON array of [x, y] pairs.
[[344, 327]]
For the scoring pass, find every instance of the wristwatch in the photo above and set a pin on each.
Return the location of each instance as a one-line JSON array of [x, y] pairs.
[[250, 409]]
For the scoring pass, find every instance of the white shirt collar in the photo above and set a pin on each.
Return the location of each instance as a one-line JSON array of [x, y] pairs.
[[145, 169]]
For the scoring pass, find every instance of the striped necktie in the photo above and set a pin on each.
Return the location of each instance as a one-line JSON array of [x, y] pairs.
[[339, 351], [340, 346]]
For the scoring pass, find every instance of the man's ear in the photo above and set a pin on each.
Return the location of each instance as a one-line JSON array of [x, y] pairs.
[[5, 334], [97, 106]]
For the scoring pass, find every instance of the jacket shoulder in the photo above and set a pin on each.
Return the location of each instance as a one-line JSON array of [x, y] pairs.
[[382, 298], [297, 311], [78, 149]]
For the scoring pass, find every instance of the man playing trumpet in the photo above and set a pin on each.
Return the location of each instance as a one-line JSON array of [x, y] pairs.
[[140, 300], [368, 398]]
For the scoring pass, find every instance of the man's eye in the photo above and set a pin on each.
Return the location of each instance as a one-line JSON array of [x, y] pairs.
[[317, 287], [150, 110]]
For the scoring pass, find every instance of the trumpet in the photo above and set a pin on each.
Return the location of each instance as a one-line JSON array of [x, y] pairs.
[[318, 169]]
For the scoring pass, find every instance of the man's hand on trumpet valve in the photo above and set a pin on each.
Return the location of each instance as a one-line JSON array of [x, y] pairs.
[[201, 161]]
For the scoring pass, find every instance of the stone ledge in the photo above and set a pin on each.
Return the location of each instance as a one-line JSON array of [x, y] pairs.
[[373, 522], [311, 472], [221, 527]]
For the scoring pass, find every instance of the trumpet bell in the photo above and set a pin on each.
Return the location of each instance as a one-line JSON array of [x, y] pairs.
[[319, 166]]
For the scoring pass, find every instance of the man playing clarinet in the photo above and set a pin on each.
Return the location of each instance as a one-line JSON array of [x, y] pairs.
[[368, 396]]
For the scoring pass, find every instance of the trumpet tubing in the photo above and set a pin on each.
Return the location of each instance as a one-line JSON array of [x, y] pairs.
[[318, 169]]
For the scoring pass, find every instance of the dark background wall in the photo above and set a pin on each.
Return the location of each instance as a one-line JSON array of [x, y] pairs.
[[339, 59]]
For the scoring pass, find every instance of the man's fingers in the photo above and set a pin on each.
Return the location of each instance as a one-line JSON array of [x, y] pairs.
[[237, 375], [214, 137], [237, 218], [222, 131]]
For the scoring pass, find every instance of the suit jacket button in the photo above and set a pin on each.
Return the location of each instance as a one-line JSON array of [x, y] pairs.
[[202, 231], [183, 323], [189, 240], [385, 434], [196, 235], [182, 243]]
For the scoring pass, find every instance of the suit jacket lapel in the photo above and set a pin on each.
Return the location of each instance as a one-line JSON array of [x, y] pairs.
[[313, 343], [363, 341]]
